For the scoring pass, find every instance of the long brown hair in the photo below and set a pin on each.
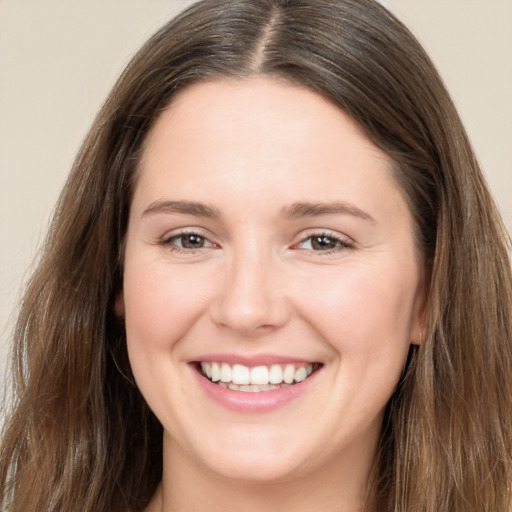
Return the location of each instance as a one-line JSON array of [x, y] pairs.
[[79, 435]]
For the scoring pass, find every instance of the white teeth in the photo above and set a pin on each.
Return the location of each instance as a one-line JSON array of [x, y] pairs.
[[215, 372], [289, 373], [259, 378], [240, 374], [225, 372], [251, 388], [259, 375], [207, 369], [276, 374], [300, 374]]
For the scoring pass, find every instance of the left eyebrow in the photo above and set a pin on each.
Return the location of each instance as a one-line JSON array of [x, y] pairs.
[[298, 210], [184, 207]]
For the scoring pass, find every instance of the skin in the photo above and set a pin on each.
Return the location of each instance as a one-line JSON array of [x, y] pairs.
[[257, 284]]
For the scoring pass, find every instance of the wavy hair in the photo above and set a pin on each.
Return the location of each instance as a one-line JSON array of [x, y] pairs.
[[79, 435]]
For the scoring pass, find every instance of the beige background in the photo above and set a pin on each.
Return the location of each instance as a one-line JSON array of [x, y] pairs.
[[58, 59]]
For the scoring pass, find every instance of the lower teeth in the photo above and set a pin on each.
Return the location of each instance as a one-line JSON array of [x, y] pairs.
[[252, 388]]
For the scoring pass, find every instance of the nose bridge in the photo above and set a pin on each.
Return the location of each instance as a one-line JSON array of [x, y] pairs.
[[251, 300]]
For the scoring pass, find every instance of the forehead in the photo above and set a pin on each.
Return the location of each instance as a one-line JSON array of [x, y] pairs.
[[251, 150], [255, 103], [261, 124]]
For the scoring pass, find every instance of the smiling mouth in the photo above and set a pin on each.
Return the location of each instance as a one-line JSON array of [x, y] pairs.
[[239, 377]]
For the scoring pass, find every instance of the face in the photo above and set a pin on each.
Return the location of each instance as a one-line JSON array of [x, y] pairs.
[[272, 286]]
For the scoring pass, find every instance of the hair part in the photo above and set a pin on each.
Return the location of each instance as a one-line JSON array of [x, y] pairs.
[[80, 435]]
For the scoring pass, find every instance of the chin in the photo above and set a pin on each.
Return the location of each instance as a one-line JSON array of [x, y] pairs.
[[252, 467], [252, 456]]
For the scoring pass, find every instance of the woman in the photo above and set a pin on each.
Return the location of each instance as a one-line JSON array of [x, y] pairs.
[[275, 279]]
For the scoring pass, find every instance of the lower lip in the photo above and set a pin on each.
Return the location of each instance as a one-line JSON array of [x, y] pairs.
[[256, 402]]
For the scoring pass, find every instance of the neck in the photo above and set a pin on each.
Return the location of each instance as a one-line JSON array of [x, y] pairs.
[[339, 486]]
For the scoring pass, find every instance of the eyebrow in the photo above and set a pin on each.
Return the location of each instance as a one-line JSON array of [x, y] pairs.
[[185, 207], [298, 210], [295, 211]]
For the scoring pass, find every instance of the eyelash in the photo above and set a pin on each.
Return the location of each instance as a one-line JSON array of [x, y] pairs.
[[169, 242], [340, 243]]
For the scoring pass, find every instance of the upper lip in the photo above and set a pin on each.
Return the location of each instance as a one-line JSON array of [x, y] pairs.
[[250, 360]]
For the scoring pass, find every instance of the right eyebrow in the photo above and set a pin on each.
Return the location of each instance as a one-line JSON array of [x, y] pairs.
[[185, 207], [298, 210]]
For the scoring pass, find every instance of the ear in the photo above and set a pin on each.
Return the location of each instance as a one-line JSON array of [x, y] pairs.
[[418, 335], [119, 305]]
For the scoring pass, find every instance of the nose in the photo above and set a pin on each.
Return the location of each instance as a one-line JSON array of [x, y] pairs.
[[252, 300]]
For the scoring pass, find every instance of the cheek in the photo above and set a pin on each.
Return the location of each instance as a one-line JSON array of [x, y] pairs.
[[366, 317], [161, 304], [363, 310]]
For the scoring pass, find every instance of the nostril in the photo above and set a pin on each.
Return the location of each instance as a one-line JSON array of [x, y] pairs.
[[250, 318]]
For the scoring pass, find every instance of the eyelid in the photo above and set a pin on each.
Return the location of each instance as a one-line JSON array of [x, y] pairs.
[[344, 241], [167, 239]]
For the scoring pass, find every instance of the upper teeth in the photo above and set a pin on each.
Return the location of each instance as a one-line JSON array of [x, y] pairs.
[[258, 375]]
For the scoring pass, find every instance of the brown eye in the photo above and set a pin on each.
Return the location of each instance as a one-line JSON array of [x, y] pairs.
[[192, 241], [323, 242], [188, 241]]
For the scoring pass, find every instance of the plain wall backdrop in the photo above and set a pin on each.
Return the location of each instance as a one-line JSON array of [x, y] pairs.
[[58, 60]]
